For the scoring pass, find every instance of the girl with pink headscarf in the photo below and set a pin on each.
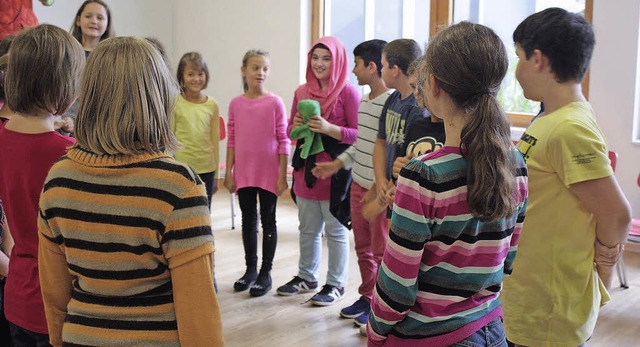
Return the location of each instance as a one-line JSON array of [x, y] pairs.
[[323, 204]]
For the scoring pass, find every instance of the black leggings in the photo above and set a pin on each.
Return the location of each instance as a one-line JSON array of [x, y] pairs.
[[248, 206], [208, 179]]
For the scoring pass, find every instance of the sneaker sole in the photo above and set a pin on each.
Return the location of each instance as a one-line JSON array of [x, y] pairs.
[[320, 303], [359, 324], [350, 316], [298, 292]]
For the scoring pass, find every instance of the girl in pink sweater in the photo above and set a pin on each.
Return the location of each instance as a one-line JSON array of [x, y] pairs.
[[257, 130]]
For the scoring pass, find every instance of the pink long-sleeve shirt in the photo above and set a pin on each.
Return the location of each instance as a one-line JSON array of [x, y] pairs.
[[344, 115], [257, 130]]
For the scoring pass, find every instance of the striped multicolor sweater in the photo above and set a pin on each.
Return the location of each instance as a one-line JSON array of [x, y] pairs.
[[442, 269], [115, 231]]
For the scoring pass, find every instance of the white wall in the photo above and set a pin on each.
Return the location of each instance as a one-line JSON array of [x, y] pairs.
[[612, 86]]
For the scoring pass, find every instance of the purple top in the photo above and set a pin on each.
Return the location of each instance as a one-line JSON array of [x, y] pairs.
[[257, 132], [345, 115]]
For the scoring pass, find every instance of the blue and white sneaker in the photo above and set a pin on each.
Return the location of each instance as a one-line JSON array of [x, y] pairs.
[[357, 308], [362, 319], [296, 286], [327, 296]]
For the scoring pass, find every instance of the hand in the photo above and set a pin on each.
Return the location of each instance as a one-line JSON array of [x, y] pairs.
[[370, 195], [320, 125], [230, 184], [326, 169], [381, 190], [605, 259], [391, 194], [399, 163], [68, 125], [297, 120], [57, 123], [282, 185]]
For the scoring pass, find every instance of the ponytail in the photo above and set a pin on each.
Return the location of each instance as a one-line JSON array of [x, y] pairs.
[[486, 145]]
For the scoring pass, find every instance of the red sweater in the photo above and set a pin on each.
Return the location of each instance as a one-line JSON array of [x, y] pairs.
[[25, 160]]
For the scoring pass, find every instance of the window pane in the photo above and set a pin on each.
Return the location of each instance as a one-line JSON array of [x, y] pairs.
[[503, 16], [388, 20], [347, 23]]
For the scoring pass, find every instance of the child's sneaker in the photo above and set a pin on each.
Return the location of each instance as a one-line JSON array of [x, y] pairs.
[[363, 330], [261, 286], [296, 286], [362, 319], [328, 295], [357, 308]]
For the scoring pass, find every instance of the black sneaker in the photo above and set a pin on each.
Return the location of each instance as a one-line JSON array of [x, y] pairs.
[[296, 286], [328, 295], [245, 281], [262, 285], [357, 308]]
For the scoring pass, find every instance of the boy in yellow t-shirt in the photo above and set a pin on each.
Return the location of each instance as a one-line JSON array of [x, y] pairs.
[[577, 214]]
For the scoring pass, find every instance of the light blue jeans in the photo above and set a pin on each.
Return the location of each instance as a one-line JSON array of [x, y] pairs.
[[490, 335], [313, 216]]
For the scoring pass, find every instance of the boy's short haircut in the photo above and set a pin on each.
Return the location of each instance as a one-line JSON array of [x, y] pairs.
[[371, 51], [402, 52], [43, 70], [565, 38], [126, 97]]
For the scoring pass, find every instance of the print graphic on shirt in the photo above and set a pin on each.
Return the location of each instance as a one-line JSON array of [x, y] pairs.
[[394, 126], [526, 143], [580, 159], [423, 145]]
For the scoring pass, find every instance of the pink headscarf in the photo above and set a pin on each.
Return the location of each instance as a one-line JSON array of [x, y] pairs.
[[337, 80]]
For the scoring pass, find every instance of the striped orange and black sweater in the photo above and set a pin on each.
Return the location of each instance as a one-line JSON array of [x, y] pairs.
[[125, 253]]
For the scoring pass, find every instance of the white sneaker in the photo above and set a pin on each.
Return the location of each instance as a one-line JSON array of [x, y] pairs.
[[363, 330]]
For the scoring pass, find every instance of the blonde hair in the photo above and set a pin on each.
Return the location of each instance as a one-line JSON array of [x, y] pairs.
[[43, 70], [245, 60], [126, 100], [194, 59]]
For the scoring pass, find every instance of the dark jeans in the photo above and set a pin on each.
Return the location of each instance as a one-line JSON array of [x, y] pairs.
[[490, 335], [25, 338], [207, 179], [248, 206], [5, 331]]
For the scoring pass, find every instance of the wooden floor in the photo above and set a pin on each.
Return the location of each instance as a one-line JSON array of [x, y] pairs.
[[273, 320]]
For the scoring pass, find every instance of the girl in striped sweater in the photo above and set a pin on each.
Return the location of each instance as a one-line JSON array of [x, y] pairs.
[[457, 211], [126, 250]]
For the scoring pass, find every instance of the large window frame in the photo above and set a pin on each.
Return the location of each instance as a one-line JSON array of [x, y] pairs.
[[441, 17]]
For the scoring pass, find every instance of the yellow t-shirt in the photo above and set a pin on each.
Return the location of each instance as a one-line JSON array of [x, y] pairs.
[[196, 127], [554, 294]]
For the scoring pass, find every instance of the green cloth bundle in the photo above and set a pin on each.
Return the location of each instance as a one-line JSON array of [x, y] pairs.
[[312, 141]]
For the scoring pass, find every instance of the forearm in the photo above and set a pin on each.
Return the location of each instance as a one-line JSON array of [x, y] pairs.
[[334, 131], [284, 159], [231, 152], [379, 163], [196, 304], [55, 284]]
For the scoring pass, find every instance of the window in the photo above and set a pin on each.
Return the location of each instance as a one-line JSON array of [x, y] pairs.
[[355, 21]]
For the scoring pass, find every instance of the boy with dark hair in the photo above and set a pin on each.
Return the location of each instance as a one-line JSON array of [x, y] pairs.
[[577, 213], [399, 111], [370, 236]]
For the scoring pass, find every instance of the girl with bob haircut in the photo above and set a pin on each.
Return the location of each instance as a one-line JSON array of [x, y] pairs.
[[458, 211], [125, 234], [40, 82]]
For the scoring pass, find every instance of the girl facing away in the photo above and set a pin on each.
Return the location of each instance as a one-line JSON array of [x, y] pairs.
[[324, 203], [126, 249], [92, 24], [257, 138], [195, 121], [458, 211]]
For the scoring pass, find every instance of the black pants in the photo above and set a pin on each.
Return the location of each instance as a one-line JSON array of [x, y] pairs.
[[248, 206], [207, 179], [25, 338]]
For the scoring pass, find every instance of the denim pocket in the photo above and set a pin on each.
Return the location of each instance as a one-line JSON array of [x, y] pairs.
[[490, 335]]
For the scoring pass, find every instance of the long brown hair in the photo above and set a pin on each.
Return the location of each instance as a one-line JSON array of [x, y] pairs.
[[469, 61], [77, 32]]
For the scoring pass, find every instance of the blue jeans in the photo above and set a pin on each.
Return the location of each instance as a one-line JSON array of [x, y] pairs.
[[313, 216], [490, 335]]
